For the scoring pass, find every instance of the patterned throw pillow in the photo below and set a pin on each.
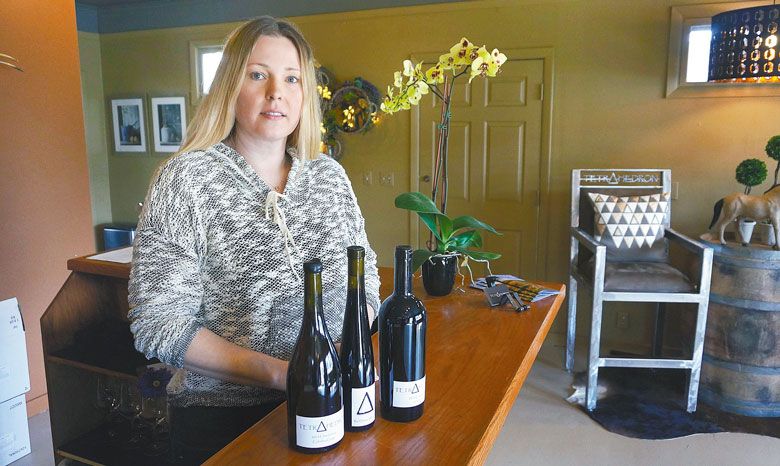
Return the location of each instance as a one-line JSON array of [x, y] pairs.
[[631, 221]]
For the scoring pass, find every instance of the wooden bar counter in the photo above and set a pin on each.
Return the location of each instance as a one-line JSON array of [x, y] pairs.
[[477, 359]]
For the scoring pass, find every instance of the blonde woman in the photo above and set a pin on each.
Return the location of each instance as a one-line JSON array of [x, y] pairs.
[[215, 286]]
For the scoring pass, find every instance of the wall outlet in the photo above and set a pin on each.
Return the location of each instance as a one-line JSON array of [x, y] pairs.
[[621, 320], [368, 178], [675, 190], [387, 179]]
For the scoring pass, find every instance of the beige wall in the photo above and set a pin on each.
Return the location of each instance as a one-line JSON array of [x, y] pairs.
[[44, 208], [95, 126], [609, 107]]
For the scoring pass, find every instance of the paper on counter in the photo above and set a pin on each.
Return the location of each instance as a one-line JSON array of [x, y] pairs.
[[123, 256]]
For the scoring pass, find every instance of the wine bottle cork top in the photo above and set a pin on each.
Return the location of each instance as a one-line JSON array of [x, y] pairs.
[[356, 251], [312, 266]]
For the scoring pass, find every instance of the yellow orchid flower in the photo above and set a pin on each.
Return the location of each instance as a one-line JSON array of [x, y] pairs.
[[463, 53], [411, 83], [408, 68], [498, 57], [398, 79], [486, 64], [435, 74], [422, 88], [447, 61], [385, 106], [413, 96]]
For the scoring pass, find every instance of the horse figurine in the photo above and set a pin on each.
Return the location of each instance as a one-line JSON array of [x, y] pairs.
[[738, 205]]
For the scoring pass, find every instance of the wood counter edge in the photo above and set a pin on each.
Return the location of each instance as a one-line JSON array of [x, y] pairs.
[[97, 267], [480, 454]]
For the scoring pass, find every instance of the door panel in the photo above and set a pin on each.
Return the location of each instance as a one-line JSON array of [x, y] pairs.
[[494, 167], [503, 159]]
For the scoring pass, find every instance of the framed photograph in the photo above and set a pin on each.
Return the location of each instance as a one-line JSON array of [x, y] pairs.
[[129, 125], [169, 123]]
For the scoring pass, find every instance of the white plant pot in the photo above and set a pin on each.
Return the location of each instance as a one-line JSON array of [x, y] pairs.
[[746, 226]]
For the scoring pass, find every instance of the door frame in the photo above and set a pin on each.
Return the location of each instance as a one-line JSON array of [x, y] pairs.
[[545, 164]]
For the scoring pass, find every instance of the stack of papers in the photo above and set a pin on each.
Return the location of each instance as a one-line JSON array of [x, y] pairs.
[[122, 256], [527, 291]]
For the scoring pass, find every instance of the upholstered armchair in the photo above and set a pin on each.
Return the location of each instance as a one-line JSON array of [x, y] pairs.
[[620, 237]]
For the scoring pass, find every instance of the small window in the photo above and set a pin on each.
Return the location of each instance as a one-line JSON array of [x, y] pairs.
[[208, 61], [698, 58], [689, 55], [205, 57]]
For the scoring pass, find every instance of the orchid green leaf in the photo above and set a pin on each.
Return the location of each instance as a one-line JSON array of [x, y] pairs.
[[416, 202], [469, 222], [430, 222], [446, 228], [465, 240], [419, 256]]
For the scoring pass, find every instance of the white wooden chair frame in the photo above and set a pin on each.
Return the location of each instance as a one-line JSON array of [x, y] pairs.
[[633, 179]]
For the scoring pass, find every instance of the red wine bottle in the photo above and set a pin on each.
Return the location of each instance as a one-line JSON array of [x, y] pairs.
[[315, 418], [402, 324], [357, 355]]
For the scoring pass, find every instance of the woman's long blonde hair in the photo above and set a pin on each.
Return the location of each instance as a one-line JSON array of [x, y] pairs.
[[215, 118]]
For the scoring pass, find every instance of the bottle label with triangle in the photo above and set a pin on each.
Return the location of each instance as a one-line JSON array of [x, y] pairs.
[[363, 412], [408, 394], [319, 432]]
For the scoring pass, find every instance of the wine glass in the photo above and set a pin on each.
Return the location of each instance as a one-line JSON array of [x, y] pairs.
[[131, 410], [157, 408]]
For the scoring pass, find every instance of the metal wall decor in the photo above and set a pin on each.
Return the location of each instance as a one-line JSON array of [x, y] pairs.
[[346, 109], [355, 106], [744, 47]]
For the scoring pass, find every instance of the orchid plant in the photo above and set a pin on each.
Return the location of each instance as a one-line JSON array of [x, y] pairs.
[[409, 86], [458, 235]]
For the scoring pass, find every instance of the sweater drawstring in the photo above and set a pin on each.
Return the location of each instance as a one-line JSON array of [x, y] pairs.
[[272, 205]]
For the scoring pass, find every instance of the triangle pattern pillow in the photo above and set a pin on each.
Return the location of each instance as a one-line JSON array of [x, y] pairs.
[[631, 221]]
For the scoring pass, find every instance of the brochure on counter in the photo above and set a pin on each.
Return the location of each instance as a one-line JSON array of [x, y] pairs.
[[528, 292]]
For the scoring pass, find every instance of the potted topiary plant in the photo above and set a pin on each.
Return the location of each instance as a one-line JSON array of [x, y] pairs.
[[452, 238], [750, 172], [773, 151]]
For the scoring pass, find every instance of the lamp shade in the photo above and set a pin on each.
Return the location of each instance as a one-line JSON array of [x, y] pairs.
[[744, 45]]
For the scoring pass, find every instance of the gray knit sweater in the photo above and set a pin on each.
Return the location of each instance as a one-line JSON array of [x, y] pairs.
[[217, 248]]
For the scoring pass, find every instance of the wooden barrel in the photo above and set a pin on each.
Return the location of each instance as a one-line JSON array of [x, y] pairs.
[[741, 364]]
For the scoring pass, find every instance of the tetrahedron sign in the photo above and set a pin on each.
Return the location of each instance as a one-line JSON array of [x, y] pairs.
[[365, 406], [321, 427], [415, 389]]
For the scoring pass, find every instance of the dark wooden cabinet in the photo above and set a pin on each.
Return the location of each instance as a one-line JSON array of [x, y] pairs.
[[87, 345]]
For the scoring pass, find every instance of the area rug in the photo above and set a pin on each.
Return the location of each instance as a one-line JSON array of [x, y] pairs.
[[650, 404]]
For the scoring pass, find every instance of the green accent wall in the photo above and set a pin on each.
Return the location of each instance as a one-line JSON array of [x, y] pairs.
[[95, 130]]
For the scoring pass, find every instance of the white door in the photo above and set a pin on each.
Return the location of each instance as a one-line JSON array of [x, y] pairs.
[[494, 160]]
